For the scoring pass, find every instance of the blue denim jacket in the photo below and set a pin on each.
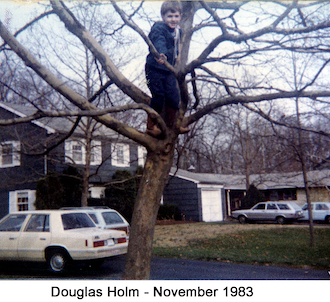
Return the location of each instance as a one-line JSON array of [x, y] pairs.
[[162, 38]]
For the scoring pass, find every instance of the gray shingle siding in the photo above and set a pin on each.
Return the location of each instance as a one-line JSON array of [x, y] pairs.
[[185, 195]]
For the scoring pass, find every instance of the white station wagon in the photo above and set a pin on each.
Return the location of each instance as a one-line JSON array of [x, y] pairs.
[[105, 218], [57, 237]]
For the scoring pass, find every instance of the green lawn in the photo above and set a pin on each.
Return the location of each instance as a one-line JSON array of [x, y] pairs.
[[285, 246]]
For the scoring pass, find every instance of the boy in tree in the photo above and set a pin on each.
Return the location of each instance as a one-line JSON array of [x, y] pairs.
[[165, 36]]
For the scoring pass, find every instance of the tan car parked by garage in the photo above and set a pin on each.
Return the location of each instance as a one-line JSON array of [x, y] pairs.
[[58, 238]]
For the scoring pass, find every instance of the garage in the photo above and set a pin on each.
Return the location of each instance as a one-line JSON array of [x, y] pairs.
[[199, 197], [211, 205]]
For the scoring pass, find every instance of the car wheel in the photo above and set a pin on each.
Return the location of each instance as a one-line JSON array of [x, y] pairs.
[[242, 219], [58, 261], [327, 220], [280, 220]]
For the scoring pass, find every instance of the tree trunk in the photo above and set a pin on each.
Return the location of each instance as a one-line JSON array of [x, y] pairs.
[[144, 218]]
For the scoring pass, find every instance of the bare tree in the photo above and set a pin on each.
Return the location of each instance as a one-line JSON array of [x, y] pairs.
[[243, 33]]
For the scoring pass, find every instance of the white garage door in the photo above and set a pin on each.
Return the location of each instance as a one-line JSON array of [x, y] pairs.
[[211, 205]]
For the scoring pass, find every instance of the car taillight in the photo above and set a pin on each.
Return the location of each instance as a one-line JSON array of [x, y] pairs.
[[121, 240], [99, 243]]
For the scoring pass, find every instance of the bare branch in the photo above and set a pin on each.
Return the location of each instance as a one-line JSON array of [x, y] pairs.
[[132, 24], [253, 99], [74, 26], [28, 25], [67, 92]]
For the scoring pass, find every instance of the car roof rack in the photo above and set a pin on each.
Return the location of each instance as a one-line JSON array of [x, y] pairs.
[[84, 208]]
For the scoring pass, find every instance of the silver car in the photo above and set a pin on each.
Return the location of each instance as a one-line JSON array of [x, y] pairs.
[[280, 212], [320, 210]]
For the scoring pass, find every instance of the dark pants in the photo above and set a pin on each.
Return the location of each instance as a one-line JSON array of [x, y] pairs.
[[164, 88]]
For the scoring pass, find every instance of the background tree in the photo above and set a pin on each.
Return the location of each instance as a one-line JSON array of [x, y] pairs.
[[242, 34], [121, 193], [59, 190]]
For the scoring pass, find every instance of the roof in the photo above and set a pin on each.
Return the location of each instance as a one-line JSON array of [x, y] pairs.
[[53, 124], [318, 178]]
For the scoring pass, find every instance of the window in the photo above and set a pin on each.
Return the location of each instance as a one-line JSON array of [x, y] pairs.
[[283, 206], [10, 154], [321, 207], [111, 218], [12, 224], [120, 155], [271, 206], [21, 200], [77, 221], [75, 152], [261, 206], [38, 223]]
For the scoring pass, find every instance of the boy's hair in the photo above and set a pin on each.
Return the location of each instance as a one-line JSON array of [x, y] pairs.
[[171, 6]]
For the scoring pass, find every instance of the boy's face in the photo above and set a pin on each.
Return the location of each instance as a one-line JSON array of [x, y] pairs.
[[172, 19]]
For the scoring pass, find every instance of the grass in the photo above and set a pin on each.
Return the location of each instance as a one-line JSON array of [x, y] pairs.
[[287, 246]]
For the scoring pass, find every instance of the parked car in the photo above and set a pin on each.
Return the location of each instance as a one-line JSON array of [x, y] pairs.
[[320, 210], [106, 218], [58, 238], [280, 212]]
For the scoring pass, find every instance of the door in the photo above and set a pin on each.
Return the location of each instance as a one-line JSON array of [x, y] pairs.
[[320, 211], [9, 236], [257, 212], [34, 238], [271, 211], [211, 205]]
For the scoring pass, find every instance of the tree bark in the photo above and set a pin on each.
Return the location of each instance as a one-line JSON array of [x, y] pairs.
[[146, 207]]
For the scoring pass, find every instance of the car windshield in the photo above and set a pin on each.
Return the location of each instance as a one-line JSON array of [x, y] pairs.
[[111, 218], [76, 221], [305, 207], [13, 223]]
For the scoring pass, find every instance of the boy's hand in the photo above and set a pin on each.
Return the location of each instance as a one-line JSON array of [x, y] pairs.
[[162, 59]]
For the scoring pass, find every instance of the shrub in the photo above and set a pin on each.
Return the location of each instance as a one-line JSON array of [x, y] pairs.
[[169, 211], [57, 190]]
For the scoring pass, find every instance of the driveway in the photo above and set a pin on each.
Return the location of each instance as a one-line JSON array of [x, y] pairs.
[[166, 269]]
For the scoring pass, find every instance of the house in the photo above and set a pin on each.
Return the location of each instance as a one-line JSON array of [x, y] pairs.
[[212, 197], [23, 159]]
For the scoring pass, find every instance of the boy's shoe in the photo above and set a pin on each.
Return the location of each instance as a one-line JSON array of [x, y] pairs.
[[155, 131]]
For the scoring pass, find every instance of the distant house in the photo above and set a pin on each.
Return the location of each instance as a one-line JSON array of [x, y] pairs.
[[212, 197], [23, 159]]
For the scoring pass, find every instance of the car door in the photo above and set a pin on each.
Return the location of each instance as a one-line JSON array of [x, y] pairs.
[[320, 211], [257, 212], [271, 211], [9, 234], [34, 238]]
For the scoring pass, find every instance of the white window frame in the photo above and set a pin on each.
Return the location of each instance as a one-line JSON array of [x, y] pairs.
[[14, 196], [15, 155], [115, 160], [96, 152]]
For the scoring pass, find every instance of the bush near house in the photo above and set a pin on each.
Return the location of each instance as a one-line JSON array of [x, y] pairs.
[[169, 211], [121, 193], [57, 190]]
